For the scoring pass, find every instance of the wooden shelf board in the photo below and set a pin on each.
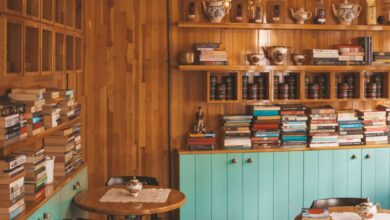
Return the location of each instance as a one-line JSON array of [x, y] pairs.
[[4, 151], [325, 27], [51, 190], [287, 101], [281, 68], [317, 100], [184, 151], [222, 101]]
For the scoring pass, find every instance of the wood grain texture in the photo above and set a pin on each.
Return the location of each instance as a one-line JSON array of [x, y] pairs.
[[126, 93]]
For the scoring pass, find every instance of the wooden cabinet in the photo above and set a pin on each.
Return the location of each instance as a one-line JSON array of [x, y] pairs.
[[277, 185], [60, 206]]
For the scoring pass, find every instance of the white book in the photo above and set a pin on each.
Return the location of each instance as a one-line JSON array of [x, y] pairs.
[[336, 144]]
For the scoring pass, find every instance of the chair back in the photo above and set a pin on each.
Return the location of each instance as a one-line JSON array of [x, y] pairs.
[[332, 202], [122, 180]]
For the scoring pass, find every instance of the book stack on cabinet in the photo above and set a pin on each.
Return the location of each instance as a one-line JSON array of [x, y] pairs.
[[34, 100], [65, 146], [12, 122], [265, 126], [237, 131], [35, 169], [323, 125], [376, 130], [12, 186], [386, 108], [51, 109], [70, 108], [350, 128], [294, 126]]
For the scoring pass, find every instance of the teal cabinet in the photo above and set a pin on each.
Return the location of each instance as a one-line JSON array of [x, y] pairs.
[[60, 206], [277, 185]]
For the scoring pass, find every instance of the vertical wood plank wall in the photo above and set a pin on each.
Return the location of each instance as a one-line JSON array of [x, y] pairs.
[[126, 98]]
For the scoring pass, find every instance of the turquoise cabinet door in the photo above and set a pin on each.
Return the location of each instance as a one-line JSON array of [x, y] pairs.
[[266, 186], [203, 186], [219, 183], [368, 174], [355, 173], [250, 186], [340, 174], [281, 186], [382, 180], [235, 189], [187, 186], [310, 182], [50, 208], [295, 184]]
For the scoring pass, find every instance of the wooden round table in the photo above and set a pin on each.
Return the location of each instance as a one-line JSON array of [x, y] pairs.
[[89, 201]]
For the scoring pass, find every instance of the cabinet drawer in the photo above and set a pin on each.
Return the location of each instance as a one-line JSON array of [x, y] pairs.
[[49, 211]]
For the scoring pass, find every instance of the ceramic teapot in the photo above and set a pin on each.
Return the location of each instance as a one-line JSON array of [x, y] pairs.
[[299, 59], [134, 187], [367, 210], [215, 10], [347, 12], [300, 16], [257, 58], [277, 54]]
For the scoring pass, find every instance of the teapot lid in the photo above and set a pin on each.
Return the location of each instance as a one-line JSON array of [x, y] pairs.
[[134, 180], [346, 4]]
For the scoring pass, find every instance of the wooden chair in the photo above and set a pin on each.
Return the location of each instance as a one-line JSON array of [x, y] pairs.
[[121, 180], [332, 202]]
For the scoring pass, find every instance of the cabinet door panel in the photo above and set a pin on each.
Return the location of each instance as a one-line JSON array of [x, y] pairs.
[[325, 177], [266, 186], [368, 174], [235, 187], [382, 172], [295, 184], [187, 186], [311, 177], [340, 174], [250, 186], [203, 186], [219, 186], [51, 207], [355, 173], [281, 186]]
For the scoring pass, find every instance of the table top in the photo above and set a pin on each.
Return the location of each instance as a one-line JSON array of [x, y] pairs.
[[89, 201], [342, 209]]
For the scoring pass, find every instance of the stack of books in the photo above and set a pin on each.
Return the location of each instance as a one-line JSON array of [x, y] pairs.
[[34, 101], [206, 141], [70, 109], [51, 109], [366, 44], [12, 186], [35, 169], [77, 152], [323, 126], [61, 145], [381, 58], [211, 53], [237, 131], [324, 56], [12, 123], [350, 128], [265, 127], [351, 55], [386, 108], [294, 126], [376, 130], [315, 213]]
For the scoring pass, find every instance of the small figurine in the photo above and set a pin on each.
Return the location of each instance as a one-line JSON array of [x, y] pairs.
[[192, 11], [199, 127], [381, 20], [320, 13]]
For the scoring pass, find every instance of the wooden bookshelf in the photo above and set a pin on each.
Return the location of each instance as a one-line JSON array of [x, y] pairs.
[[59, 52], [47, 7], [326, 27], [33, 9], [14, 47], [31, 48], [69, 52], [47, 51], [30, 141]]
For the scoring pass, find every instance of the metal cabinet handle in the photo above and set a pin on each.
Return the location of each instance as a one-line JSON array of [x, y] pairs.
[[249, 160], [77, 186], [354, 156], [368, 156], [46, 216], [234, 161]]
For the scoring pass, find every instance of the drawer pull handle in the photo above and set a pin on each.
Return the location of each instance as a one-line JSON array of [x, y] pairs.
[[368, 156], [46, 216], [234, 161], [77, 186], [250, 160], [354, 157]]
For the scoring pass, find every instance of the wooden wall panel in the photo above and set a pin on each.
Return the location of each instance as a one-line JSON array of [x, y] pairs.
[[126, 89]]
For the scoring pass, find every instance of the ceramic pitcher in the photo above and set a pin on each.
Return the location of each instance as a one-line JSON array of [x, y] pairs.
[[215, 10]]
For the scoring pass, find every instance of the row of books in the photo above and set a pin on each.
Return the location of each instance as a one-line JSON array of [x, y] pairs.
[[211, 53], [295, 126], [381, 58], [13, 122]]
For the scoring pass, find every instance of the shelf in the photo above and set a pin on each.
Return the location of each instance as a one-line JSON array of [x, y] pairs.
[[281, 68], [51, 190], [69, 53], [5, 151], [31, 53], [69, 13], [78, 53], [33, 8], [59, 52], [48, 10], [14, 47], [78, 14], [13, 6], [47, 51], [184, 151], [59, 12], [326, 27]]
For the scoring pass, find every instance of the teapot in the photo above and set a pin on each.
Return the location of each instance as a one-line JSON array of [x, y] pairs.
[[300, 16], [347, 12], [367, 210], [134, 187], [257, 58], [299, 59], [215, 10], [277, 54]]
